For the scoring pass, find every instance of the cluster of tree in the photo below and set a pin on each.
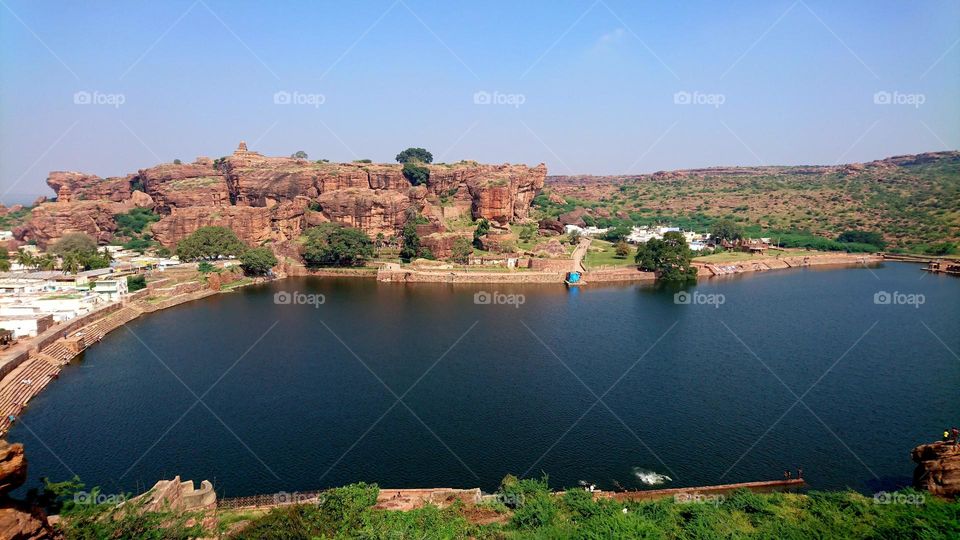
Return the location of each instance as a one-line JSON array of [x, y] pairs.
[[211, 243], [332, 244], [669, 257], [137, 282], [131, 226], [4, 260], [78, 251], [412, 248], [299, 154], [39, 262], [726, 229], [863, 237]]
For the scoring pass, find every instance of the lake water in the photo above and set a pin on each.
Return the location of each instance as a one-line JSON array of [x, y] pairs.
[[301, 397]]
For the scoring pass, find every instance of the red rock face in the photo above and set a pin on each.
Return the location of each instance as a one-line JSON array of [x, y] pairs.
[[74, 186], [180, 186], [265, 198], [938, 468]]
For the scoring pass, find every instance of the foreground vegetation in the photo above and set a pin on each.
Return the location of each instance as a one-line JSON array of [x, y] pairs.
[[527, 509]]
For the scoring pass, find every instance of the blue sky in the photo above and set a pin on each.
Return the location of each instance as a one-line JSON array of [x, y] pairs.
[[602, 87]]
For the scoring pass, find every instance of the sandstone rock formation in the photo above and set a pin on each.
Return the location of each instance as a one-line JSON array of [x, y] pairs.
[[275, 198], [18, 521], [938, 468]]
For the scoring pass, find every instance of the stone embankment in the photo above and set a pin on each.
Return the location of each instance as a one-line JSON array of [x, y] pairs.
[[780, 263]]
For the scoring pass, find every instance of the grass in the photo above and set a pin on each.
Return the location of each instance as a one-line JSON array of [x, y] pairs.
[[603, 253], [741, 256]]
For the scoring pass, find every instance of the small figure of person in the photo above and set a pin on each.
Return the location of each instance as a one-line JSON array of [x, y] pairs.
[[786, 475], [946, 435], [799, 473], [956, 435]]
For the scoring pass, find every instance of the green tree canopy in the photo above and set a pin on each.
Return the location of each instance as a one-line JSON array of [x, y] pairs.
[[416, 174], [411, 155], [257, 261], [726, 229], [78, 251], [299, 154], [483, 227], [669, 257], [332, 244], [207, 243], [461, 250], [862, 237]]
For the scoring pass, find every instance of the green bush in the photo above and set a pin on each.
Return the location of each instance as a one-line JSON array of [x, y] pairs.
[[137, 282]]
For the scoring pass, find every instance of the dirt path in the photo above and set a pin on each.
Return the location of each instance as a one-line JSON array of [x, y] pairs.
[[579, 254]]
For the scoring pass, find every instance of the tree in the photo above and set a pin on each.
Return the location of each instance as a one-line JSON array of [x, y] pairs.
[[574, 237], [411, 155], [726, 229], [622, 249], [617, 233], [4, 260], [177, 162], [208, 243], [411, 242], [461, 250], [416, 174], [332, 244], [78, 251], [27, 259], [862, 237], [669, 257], [299, 154], [257, 261], [483, 227], [78, 243]]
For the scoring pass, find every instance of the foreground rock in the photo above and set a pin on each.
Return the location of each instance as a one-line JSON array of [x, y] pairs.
[[274, 198], [938, 468], [18, 521]]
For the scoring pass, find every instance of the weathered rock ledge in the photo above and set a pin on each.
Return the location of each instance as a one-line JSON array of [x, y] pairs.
[[272, 199]]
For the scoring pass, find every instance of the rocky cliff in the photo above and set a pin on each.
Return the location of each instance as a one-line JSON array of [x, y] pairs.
[[938, 468], [271, 199], [18, 520]]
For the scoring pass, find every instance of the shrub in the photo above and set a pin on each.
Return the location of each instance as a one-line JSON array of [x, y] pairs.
[[416, 174], [137, 282]]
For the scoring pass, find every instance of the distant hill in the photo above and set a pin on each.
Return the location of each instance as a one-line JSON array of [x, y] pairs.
[[913, 200]]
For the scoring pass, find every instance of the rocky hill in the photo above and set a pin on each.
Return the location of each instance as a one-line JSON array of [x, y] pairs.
[[913, 200], [272, 199]]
